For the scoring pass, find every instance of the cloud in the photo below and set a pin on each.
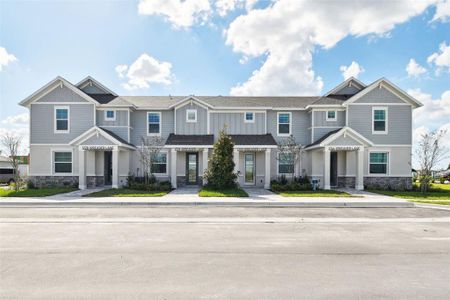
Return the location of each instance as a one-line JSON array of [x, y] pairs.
[[351, 71], [442, 11], [181, 14], [286, 33], [6, 58], [17, 120], [414, 69], [17, 126], [144, 71], [441, 59], [225, 6]]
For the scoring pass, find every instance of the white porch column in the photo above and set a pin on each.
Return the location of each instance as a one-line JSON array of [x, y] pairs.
[[205, 164], [81, 169], [359, 183], [236, 162], [173, 168], [326, 168], [115, 167], [267, 170]]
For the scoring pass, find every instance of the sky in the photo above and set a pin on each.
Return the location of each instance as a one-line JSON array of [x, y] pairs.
[[226, 47]]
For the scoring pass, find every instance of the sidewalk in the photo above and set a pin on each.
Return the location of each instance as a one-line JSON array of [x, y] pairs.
[[189, 197]]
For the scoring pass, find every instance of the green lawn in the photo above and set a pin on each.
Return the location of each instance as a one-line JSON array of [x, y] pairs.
[[440, 194], [126, 193], [35, 192], [318, 193], [232, 192]]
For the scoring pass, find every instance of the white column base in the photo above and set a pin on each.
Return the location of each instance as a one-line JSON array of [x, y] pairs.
[[81, 187], [115, 168], [205, 164], [173, 168], [267, 173], [359, 187], [326, 169]]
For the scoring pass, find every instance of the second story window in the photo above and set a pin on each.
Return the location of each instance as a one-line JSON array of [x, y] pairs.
[[331, 115], [61, 119], [249, 117], [191, 115], [110, 115], [153, 123], [284, 123], [379, 120]]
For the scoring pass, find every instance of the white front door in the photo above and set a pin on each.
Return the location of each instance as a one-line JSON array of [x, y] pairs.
[[249, 168]]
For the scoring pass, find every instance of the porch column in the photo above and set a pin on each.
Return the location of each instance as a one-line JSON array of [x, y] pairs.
[[326, 168], [236, 162], [81, 169], [205, 164], [115, 167], [173, 168], [359, 183], [267, 170]]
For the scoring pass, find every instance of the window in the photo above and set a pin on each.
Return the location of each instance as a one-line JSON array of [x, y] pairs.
[[285, 163], [61, 119], [154, 123], [249, 117], [378, 163], [159, 163], [110, 115], [191, 115], [379, 120], [284, 124], [63, 162], [331, 115], [6, 171]]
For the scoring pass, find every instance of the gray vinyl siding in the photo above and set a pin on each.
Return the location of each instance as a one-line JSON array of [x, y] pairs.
[[235, 123], [98, 140], [320, 132], [378, 95], [121, 118], [139, 124], [320, 119], [398, 124], [348, 90], [63, 94], [120, 131], [300, 124], [344, 141], [199, 127], [42, 123]]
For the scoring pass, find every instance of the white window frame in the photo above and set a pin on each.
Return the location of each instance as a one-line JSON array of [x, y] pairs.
[[278, 165], [278, 123], [331, 119], [187, 115], [53, 151], [147, 122], [167, 164], [106, 115], [55, 129], [245, 117], [388, 164], [385, 120]]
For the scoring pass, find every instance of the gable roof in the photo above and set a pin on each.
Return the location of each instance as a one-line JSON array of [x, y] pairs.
[[51, 86], [333, 135], [349, 81], [389, 86], [111, 136], [91, 80]]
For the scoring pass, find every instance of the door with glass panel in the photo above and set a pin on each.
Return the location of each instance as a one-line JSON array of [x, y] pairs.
[[191, 168], [249, 167]]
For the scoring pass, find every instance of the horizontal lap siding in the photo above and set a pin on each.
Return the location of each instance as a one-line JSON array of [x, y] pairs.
[[379, 95], [42, 123], [235, 123], [63, 94]]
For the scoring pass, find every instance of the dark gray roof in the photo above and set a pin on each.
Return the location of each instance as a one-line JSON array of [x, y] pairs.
[[102, 98], [253, 139], [323, 138], [186, 140], [116, 137]]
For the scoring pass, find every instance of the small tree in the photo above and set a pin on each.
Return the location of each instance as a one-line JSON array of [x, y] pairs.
[[11, 145], [289, 147], [429, 153], [149, 150], [220, 172]]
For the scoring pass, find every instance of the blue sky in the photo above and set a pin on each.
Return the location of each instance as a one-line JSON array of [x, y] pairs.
[[199, 48]]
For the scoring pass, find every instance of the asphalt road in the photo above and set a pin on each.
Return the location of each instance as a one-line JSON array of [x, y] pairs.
[[224, 253]]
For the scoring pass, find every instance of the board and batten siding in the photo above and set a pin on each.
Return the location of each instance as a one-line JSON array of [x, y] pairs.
[[199, 127], [320, 118], [42, 123], [235, 123], [121, 118], [139, 124], [300, 124]]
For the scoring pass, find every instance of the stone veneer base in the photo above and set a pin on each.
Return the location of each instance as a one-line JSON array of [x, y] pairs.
[[54, 181], [388, 183]]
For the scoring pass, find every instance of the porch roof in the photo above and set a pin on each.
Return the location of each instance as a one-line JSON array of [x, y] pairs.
[[253, 139], [102, 137], [344, 136], [190, 140]]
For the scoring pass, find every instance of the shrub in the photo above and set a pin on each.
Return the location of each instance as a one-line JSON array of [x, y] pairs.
[[148, 184], [297, 184]]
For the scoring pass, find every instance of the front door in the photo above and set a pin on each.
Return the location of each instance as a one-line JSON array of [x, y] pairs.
[[333, 169], [191, 168], [249, 167], [108, 167]]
